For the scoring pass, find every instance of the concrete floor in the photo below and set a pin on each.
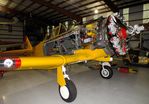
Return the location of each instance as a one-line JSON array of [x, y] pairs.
[[40, 87]]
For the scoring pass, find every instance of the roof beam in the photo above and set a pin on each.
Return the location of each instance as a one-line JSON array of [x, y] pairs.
[[111, 5], [56, 16], [39, 7], [52, 16], [42, 11], [5, 9], [126, 3], [117, 0], [61, 2], [36, 9], [27, 6], [86, 4], [21, 2], [88, 12], [92, 14], [47, 15], [88, 8], [51, 12], [92, 2], [60, 18], [59, 9], [130, 4], [102, 9], [74, 3]]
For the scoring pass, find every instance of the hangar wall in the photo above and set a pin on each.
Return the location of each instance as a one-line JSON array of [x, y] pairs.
[[134, 15], [138, 15], [11, 33]]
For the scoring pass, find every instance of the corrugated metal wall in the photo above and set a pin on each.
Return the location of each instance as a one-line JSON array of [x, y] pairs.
[[11, 33]]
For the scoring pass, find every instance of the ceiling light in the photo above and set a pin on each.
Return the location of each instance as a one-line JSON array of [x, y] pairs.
[[3, 98], [96, 11], [3, 2]]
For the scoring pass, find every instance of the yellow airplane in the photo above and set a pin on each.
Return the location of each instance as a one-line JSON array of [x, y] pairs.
[[35, 59], [27, 51]]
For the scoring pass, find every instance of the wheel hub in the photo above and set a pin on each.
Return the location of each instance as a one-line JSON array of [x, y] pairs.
[[64, 92], [105, 73]]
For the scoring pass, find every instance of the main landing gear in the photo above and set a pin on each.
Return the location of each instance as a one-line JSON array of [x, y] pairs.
[[67, 88]]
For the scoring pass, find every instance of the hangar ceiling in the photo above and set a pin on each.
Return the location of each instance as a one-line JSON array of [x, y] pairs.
[[61, 10]]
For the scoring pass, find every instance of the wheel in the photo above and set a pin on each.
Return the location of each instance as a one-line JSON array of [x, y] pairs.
[[106, 72], [69, 92]]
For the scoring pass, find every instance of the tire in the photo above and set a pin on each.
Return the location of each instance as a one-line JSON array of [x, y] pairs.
[[106, 72], [68, 92]]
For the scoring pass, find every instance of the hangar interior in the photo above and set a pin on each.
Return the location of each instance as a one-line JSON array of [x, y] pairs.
[[74, 51]]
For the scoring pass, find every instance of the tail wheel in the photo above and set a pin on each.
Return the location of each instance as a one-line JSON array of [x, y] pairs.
[[106, 72], [68, 92]]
